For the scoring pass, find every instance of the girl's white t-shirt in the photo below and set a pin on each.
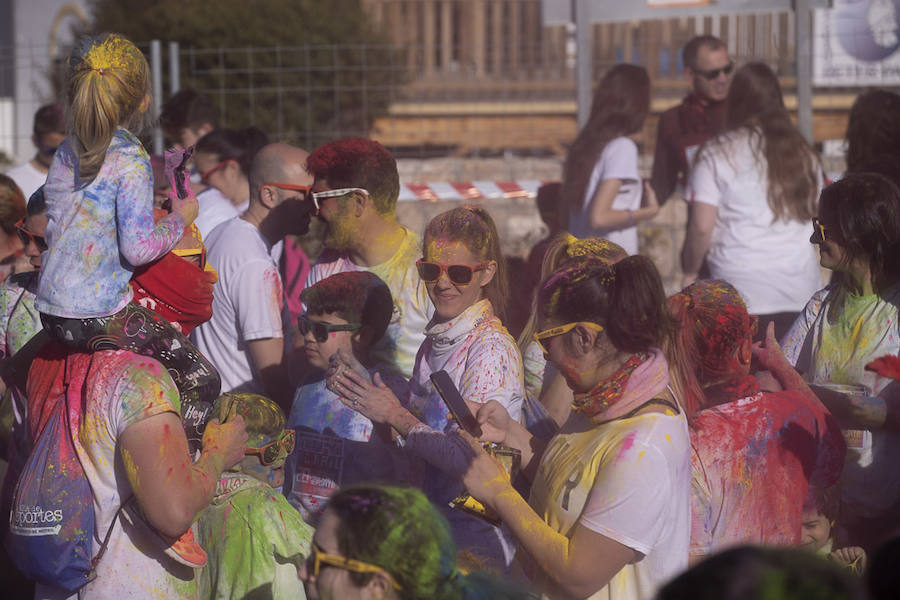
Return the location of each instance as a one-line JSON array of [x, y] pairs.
[[619, 160], [771, 263]]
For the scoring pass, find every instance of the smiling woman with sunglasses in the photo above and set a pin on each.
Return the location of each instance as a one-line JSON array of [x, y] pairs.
[[751, 192], [464, 274], [608, 515], [845, 326], [390, 543]]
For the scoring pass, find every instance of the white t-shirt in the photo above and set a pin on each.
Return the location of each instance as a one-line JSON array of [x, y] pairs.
[[123, 389], [412, 307], [247, 302], [619, 160], [771, 264], [27, 178], [628, 480], [214, 209]]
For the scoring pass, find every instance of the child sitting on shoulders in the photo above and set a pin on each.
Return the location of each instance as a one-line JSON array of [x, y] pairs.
[[255, 541], [820, 511], [346, 313], [100, 228]]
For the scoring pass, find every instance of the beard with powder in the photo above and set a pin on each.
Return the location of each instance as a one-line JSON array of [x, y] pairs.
[[341, 227]]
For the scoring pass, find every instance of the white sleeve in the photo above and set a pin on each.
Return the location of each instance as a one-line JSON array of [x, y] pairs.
[[619, 160], [494, 372], [794, 341], [702, 185], [258, 299], [630, 497]]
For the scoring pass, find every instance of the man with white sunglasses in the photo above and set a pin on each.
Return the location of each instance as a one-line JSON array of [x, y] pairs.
[[244, 338], [355, 194]]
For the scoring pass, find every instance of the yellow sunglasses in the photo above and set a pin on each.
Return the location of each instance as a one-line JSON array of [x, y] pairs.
[[318, 558], [555, 331]]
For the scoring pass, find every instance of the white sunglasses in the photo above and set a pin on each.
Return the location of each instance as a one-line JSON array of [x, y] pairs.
[[317, 196]]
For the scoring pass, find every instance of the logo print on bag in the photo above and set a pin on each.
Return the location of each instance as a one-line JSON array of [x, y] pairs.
[[34, 521]]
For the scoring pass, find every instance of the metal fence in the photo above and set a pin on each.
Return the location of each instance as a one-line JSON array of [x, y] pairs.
[[461, 77]]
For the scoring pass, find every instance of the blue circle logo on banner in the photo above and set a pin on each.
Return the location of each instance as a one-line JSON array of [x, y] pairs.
[[868, 30]]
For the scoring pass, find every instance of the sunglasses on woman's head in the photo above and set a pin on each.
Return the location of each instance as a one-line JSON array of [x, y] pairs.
[[317, 558], [26, 236], [818, 235], [275, 451], [430, 272], [321, 330], [714, 73]]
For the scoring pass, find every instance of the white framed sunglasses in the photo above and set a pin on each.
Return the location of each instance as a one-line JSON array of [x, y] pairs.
[[317, 197]]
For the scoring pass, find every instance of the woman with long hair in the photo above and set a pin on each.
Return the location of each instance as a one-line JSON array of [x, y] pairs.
[[609, 515], [752, 191], [542, 381], [601, 185], [845, 326], [465, 276]]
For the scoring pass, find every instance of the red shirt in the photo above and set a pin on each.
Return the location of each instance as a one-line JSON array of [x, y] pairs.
[[753, 460]]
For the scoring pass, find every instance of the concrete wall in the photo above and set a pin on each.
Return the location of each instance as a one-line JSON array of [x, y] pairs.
[[517, 219]]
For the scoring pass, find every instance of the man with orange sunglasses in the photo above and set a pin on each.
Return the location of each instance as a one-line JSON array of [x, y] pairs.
[[244, 338]]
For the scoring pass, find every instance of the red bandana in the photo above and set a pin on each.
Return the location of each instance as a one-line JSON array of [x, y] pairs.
[[175, 289], [609, 391]]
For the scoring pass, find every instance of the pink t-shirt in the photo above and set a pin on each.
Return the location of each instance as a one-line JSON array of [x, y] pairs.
[[753, 460]]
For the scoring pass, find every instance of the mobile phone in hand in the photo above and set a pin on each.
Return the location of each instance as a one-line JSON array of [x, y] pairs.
[[454, 401]]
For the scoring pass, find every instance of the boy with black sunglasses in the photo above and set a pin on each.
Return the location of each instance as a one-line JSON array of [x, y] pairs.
[[346, 314], [254, 540]]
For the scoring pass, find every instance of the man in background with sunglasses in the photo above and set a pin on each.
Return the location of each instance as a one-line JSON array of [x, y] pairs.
[[48, 132], [683, 128], [355, 195], [244, 339]]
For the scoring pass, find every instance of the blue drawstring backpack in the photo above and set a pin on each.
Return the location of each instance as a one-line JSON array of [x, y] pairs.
[[51, 524]]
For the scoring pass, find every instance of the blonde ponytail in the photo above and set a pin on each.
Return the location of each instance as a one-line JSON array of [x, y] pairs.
[[108, 81]]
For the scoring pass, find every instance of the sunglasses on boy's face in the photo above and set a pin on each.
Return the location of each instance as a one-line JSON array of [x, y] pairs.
[[275, 451], [321, 330], [317, 558], [26, 236], [430, 272], [714, 73]]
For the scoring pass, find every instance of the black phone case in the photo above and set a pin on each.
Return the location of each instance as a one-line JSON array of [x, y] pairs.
[[454, 401]]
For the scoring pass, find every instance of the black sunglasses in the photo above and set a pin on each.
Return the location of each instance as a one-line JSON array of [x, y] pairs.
[[714, 73], [321, 330]]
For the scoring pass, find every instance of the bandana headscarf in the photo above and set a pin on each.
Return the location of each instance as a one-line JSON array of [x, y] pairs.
[[715, 323], [175, 288]]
